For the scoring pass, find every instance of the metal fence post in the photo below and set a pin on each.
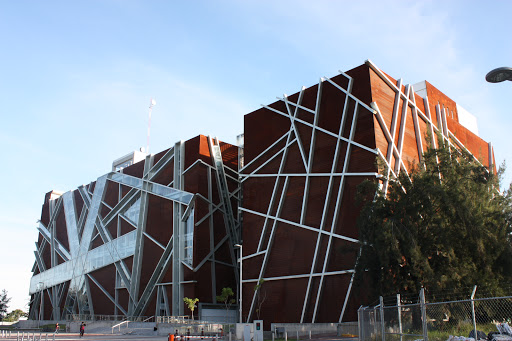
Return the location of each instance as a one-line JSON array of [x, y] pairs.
[[473, 311], [374, 318], [399, 308], [382, 325], [423, 314], [359, 322]]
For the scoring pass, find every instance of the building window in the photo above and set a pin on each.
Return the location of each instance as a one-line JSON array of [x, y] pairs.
[[188, 240]]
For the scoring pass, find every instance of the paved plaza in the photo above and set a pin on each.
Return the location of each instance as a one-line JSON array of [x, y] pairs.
[[98, 337]]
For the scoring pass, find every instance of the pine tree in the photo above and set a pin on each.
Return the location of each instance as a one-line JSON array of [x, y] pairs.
[[4, 303], [446, 226]]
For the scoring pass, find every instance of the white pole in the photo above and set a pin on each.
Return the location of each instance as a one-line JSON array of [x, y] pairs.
[[240, 290], [152, 103]]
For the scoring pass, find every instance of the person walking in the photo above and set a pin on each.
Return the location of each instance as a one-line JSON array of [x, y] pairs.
[[82, 329], [56, 328]]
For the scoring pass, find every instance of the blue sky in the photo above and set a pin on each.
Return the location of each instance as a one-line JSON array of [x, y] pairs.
[[76, 78]]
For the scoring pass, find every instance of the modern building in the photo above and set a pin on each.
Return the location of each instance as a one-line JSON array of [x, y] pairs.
[[140, 239]]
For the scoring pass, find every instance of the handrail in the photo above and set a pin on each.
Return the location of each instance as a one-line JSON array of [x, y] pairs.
[[149, 318], [119, 325]]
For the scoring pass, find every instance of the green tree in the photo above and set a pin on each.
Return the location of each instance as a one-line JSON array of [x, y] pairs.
[[446, 226], [261, 296], [191, 304], [15, 315], [225, 297], [4, 303]]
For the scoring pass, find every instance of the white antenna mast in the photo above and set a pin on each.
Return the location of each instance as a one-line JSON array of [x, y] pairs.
[[152, 103]]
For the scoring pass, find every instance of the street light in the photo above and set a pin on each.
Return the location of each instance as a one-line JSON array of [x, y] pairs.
[[240, 290], [499, 75]]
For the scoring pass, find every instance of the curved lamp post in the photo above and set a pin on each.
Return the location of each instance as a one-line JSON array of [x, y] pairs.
[[499, 75]]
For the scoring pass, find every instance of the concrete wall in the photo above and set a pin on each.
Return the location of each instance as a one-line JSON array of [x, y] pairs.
[[195, 329], [348, 328], [304, 328]]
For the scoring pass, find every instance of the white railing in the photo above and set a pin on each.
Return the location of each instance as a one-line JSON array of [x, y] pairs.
[[119, 326], [149, 318]]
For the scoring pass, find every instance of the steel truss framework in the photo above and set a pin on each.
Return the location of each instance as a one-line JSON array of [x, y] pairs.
[[102, 233], [390, 134]]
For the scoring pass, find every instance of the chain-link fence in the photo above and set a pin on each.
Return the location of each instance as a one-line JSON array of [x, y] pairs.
[[406, 321]]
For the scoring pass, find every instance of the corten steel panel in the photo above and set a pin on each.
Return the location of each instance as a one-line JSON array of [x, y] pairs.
[[129, 262], [251, 267], [46, 256], [151, 255], [292, 202], [201, 238], [96, 241], [330, 206], [123, 298], [332, 297], [229, 155], [65, 289], [124, 190], [125, 227], [111, 194], [325, 147], [91, 186], [112, 228], [331, 107], [323, 243], [284, 293], [60, 260], [410, 147], [104, 276], [437, 97], [476, 145], [361, 161], [347, 216], [191, 151], [252, 237], [311, 299], [45, 212], [204, 277], [79, 203], [253, 165], [159, 155], [262, 128], [135, 170], [166, 175], [318, 189], [104, 211], [159, 220], [342, 255], [60, 229], [224, 278], [47, 305], [292, 251], [426, 137]]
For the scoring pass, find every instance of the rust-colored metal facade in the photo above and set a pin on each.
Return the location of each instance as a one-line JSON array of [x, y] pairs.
[[304, 157], [136, 242]]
